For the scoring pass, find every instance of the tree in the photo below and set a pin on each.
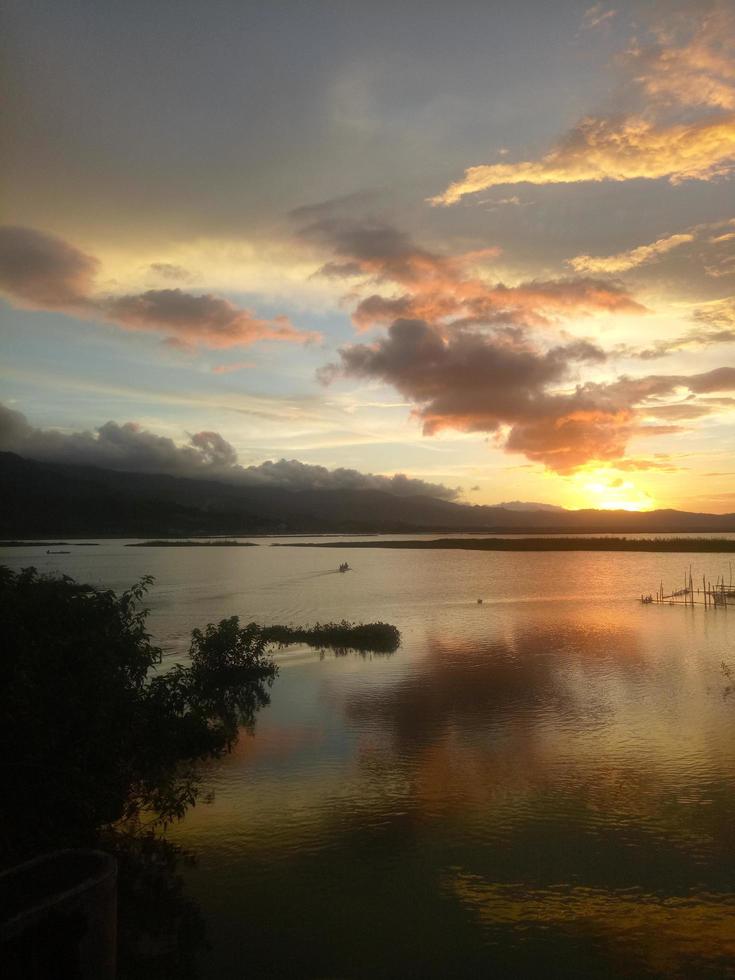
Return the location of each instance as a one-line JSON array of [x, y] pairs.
[[90, 736]]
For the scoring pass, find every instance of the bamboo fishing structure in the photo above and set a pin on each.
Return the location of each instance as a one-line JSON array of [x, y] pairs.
[[710, 596]]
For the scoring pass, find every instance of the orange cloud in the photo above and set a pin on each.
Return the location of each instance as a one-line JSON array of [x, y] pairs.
[[689, 65], [698, 72], [627, 148], [630, 259], [438, 287], [714, 249]]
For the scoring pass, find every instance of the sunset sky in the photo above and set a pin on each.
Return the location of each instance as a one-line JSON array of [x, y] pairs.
[[487, 245]]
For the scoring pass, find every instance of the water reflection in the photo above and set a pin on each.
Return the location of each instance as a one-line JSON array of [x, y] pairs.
[[553, 797], [540, 786], [661, 935]]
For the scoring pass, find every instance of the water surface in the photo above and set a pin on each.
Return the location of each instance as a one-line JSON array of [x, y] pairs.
[[542, 785]]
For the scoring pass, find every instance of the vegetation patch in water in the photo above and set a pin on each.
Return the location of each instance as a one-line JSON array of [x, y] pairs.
[[170, 543], [716, 545], [32, 544], [341, 637]]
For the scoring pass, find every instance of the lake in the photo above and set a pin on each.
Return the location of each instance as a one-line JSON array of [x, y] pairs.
[[539, 786]]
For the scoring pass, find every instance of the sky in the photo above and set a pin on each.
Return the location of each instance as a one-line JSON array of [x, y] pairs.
[[485, 248]]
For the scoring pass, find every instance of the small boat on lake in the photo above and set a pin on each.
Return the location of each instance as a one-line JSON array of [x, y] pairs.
[[344, 567], [57, 552]]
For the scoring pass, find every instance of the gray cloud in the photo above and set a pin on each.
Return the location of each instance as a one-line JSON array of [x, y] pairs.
[[130, 448], [187, 319], [168, 270], [45, 272], [295, 475]]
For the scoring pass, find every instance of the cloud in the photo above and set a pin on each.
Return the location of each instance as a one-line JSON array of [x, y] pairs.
[[478, 383], [686, 68], [512, 201], [699, 70], [712, 244], [115, 446], [207, 455], [168, 270], [473, 382], [44, 272], [438, 288], [698, 337], [206, 320], [617, 149], [294, 475], [630, 259], [233, 366], [597, 16], [715, 324], [719, 315]]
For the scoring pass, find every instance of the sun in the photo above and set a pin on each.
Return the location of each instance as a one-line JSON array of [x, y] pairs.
[[603, 490]]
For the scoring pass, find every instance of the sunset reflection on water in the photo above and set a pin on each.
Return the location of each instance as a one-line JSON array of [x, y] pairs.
[[539, 786]]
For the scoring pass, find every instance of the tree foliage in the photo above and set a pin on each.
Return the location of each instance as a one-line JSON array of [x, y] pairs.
[[92, 736]]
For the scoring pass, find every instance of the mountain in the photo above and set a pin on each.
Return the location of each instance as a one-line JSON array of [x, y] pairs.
[[528, 505], [54, 499]]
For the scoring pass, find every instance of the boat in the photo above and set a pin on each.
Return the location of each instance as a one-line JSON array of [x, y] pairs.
[[344, 567]]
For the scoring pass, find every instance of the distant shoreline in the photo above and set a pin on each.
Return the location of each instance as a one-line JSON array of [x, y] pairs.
[[190, 543], [692, 545]]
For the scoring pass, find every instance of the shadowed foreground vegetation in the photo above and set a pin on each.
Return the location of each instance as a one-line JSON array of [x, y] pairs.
[[717, 545], [98, 748]]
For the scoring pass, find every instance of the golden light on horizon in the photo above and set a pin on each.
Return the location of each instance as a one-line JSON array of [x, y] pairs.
[[603, 490]]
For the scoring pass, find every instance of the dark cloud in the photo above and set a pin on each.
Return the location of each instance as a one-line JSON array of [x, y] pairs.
[[699, 337], [130, 448], [635, 391], [114, 446], [44, 272], [295, 475], [470, 381], [187, 319]]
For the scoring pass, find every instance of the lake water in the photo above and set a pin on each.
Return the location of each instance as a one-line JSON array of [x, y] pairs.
[[539, 786]]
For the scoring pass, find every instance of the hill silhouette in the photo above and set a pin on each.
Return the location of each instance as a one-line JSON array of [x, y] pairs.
[[40, 499]]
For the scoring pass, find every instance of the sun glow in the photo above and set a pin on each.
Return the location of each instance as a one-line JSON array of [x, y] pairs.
[[604, 490]]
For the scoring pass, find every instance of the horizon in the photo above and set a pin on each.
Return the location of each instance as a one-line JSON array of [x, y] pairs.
[[481, 252], [368, 481]]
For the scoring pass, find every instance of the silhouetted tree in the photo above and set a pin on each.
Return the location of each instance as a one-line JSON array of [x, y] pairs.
[[90, 736], [96, 748]]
